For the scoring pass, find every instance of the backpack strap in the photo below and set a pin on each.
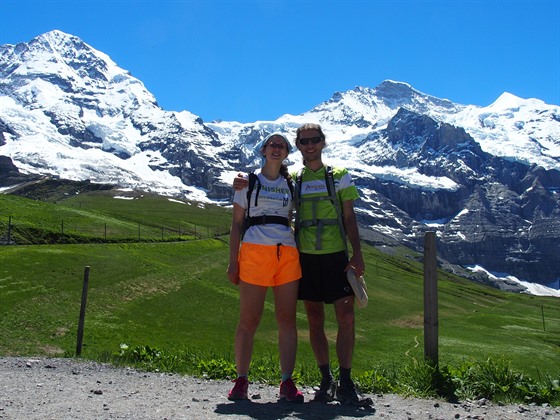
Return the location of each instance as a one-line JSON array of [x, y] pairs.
[[329, 179], [291, 186], [264, 219], [297, 202], [253, 180]]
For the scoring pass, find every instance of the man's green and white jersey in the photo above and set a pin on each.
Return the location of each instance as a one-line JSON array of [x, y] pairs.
[[314, 185]]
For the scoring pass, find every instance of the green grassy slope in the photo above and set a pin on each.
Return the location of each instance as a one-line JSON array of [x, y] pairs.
[[99, 216], [175, 295]]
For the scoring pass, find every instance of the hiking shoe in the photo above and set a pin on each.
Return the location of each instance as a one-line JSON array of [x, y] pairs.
[[239, 390], [348, 394], [289, 392], [326, 391]]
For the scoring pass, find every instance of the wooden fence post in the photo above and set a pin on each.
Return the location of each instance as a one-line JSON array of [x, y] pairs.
[[82, 313], [430, 299]]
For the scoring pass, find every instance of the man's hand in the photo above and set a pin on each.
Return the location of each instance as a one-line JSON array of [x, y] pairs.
[[357, 264], [240, 182]]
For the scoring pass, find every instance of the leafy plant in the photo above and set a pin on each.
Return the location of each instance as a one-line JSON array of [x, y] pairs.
[[496, 380], [380, 380], [216, 369]]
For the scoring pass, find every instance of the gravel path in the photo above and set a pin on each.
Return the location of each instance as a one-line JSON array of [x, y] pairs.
[[76, 389]]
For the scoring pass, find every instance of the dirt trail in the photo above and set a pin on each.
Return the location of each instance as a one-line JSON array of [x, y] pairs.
[[75, 389]]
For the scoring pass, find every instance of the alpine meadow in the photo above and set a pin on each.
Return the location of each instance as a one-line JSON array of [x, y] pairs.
[[159, 298]]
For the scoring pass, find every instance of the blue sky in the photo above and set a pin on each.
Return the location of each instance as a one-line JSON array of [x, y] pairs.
[[257, 60]]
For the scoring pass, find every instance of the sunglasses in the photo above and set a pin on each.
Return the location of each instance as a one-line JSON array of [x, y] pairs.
[[278, 146], [313, 140]]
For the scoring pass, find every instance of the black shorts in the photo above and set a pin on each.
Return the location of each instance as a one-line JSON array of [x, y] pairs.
[[323, 277]]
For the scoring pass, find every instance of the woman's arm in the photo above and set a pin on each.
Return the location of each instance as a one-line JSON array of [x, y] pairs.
[[234, 241]]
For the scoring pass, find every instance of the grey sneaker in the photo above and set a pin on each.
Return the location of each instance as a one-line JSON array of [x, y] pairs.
[[326, 391], [349, 394]]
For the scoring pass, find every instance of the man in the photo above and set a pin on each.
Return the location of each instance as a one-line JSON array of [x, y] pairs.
[[324, 261]]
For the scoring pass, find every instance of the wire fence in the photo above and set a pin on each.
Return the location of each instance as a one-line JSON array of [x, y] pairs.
[[75, 230]]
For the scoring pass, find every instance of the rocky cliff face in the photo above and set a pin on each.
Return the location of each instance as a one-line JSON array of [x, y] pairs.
[[9, 172], [501, 214]]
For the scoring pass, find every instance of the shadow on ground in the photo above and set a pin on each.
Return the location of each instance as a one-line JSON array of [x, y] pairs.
[[282, 410]]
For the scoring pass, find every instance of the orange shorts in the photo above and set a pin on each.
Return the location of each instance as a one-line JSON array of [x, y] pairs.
[[268, 265]]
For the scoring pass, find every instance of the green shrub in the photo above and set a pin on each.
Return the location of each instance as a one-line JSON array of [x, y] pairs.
[[216, 369], [493, 379]]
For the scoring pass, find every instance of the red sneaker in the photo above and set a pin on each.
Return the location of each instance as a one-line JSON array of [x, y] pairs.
[[239, 390], [289, 392]]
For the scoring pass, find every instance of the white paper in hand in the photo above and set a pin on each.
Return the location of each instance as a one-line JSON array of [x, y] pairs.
[[359, 286]]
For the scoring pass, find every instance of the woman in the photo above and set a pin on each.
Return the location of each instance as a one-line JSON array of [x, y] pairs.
[[268, 258]]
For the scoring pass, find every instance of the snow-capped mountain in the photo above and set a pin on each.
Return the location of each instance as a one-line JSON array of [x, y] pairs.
[[75, 114], [487, 179]]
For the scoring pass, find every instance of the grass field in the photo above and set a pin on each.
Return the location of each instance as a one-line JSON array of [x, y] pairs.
[[175, 296], [99, 217]]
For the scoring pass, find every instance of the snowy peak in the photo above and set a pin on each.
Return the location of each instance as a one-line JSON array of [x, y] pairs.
[[57, 65], [522, 130], [65, 52], [364, 107], [399, 94], [507, 101]]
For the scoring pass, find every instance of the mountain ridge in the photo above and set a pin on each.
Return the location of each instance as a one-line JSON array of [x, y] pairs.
[[67, 110]]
